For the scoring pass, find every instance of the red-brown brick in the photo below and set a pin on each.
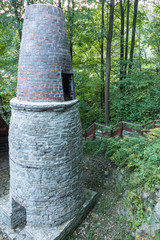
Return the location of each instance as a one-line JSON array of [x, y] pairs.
[[44, 55]]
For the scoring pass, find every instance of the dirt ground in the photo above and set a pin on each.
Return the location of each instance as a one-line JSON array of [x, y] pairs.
[[103, 222]]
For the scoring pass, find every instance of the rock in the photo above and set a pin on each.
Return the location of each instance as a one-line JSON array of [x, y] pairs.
[[157, 187], [146, 195], [122, 171], [154, 226], [106, 173], [106, 184], [123, 212], [157, 211], [158, 193], [133, 234], [149, 209], [143, 228]]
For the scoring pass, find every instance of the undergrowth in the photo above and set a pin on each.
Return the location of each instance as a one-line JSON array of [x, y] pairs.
[[139, 159]]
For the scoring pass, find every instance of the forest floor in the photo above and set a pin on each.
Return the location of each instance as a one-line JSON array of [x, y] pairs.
[[103, 222]]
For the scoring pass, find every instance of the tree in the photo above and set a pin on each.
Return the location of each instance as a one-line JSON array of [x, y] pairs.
[[59, 4], [18, 8], [71, 24], [108, 63], [102, 53], [133, 32], [127, 38], [122, 43]]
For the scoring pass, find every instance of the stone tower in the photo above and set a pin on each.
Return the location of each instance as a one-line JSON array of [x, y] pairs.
[[46, 187], [45, 136]]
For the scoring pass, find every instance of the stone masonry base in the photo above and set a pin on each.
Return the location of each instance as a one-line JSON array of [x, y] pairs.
[[57, 233]]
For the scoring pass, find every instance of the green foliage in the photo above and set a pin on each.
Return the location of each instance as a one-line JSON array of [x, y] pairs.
[[96, 147], [139, 156], [139, 100], [9, 50], [135, 204], [139, 159]]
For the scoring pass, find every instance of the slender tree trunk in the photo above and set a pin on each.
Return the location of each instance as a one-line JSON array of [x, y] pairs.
[[102, 54], [71, 23], [14, 4], [133, 32], [108, 63], [59, 4], [122, 44], [127, 37]]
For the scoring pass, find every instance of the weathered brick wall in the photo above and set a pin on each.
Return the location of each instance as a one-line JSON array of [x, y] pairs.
[[44, 55]]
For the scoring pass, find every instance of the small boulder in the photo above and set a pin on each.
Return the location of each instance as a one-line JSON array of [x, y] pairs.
[[157, 211]]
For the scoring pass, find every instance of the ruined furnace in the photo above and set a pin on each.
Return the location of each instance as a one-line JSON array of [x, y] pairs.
[[46, 186]]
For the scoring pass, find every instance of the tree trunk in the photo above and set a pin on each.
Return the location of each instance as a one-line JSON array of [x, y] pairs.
[[133, 32], [14, 4], [108, 63], [71, 23], [122, 44], [127, 37], [59, 4], [102, 54]]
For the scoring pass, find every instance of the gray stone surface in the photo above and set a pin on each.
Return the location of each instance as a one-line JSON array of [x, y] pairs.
[[45, 164], [157, 211], [45, 137], [158, 195], [42, 106], [63, 231], [31, 233]]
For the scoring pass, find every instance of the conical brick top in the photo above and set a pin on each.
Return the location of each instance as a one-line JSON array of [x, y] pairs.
[[45, 66]]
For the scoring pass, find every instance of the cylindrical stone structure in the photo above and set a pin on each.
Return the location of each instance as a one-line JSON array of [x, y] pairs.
[[45, 136]]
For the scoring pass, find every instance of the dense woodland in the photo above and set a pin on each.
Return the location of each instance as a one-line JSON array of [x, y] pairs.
[[115, 47]]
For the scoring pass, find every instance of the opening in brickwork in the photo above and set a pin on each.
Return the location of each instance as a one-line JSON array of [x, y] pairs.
[[68, 86], [18, 214]]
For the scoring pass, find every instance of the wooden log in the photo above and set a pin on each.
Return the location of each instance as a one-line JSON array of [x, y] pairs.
[[154, 124], [85, 134], [94, 131], [132, 130], [106, 133], [132, 124], [121, 130], [89, 127], [100, 125], [111, 133], [115, 133], [116, 125], [90, 133], [147, 123]]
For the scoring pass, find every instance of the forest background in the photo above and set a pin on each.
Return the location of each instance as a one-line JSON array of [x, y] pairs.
[[115, 48]]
